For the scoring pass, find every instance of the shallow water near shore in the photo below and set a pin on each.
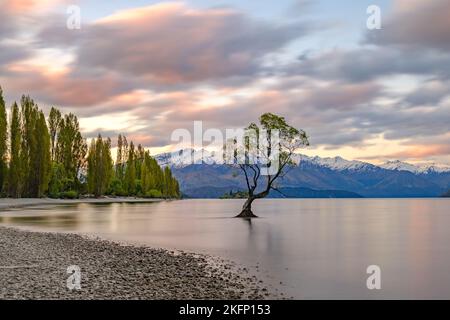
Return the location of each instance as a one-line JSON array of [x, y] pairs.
[[308, 248]]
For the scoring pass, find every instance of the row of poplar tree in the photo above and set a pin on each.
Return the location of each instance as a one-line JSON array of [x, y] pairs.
[[49, 157]]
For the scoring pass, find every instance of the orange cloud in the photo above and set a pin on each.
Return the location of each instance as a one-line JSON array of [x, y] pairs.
[[64, 88], [422, 151], [22, 6]]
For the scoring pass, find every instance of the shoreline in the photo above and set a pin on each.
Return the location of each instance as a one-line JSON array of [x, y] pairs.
[[33, 265], [11, 203]]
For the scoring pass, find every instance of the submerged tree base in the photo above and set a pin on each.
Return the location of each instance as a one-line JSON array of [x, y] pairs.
[[246, 214]]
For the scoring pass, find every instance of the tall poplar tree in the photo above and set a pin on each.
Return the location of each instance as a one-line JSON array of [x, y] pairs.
[[42, 165], [71, 148], [29, 146], [120, 163], [130, 173], [54, 124], [15, 167], [3, 142], [100, 166]]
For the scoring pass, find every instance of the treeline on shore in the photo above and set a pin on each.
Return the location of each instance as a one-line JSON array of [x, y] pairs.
[[49, 157]]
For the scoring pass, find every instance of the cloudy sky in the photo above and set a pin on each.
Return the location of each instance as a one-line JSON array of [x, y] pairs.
[[145, 68]]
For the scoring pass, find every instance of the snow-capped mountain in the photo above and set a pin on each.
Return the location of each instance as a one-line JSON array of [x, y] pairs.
[[336, 163], [415, 168], [201, 174], [186, 157]]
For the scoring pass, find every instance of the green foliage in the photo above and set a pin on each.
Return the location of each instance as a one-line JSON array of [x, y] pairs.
[[54, 124], [270, 145], [122, 156], [154, 178], [116, 188], [153, 193], [100, 166], [42, 163], [71, 148], [130, 171], [3, 142], [15, 164], [57, 183], [34, 153], [52, 159], [138, 174], [171, 188], [71, 194], [139, 191]]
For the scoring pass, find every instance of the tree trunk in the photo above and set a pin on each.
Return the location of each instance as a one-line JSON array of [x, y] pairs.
[[247, 209]]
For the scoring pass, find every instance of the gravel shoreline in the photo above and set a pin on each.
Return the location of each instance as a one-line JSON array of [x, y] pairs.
[[33, 265]]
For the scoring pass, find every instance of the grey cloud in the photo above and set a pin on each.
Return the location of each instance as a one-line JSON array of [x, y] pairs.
[[370, 63], [430, 93], [11, 52], [170, 44], [416, 25]]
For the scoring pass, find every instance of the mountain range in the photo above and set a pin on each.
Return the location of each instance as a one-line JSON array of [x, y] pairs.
[[201, 176]]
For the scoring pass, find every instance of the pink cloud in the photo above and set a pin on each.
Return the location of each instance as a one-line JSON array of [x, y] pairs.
[[171, 43], [64, 88], [421, 152]]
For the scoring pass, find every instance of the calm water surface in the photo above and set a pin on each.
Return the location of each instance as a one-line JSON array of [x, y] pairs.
[[318, 248]]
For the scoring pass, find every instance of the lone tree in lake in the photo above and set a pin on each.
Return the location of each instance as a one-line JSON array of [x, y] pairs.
[[265, 155]]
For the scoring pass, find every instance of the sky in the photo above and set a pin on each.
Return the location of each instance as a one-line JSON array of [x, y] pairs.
[[147, 68]]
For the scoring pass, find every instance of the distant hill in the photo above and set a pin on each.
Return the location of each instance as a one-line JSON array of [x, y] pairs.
[[310, 193], [331, 176], [447, 194], [218, 192]]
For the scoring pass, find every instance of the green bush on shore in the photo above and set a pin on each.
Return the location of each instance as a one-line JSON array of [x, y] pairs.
[[153, 193], [71, 194]]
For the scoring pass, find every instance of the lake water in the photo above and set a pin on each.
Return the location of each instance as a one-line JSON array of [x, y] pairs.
[[307, 248]]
